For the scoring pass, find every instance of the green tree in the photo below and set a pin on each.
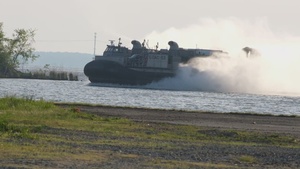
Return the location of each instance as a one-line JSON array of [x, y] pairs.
[[14, 50]]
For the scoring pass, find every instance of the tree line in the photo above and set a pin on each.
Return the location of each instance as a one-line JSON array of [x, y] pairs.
[[15, 50]]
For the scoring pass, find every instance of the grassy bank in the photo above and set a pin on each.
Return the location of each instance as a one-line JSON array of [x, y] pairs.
[[38, 134], [42, 74], [49, 75]]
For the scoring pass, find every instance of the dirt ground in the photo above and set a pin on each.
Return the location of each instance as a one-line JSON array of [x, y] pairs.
[[95, 150], [262, 123]]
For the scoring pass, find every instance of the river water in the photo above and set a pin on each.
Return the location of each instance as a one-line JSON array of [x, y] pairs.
[[85, 92]]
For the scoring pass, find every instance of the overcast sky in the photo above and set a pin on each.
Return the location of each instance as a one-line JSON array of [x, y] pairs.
[[69, 25]]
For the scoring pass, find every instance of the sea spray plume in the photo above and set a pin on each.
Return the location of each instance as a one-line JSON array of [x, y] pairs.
[[280, 70], [258, 75], [275, 71], [218, 74], [226, 74]]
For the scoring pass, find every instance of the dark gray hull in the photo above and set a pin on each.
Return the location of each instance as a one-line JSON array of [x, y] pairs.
[[104, 71]]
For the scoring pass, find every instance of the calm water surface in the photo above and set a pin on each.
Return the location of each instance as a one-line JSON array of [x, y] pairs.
[[84, 92]]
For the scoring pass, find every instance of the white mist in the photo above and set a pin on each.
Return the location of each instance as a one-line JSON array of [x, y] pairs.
[[275, 71]]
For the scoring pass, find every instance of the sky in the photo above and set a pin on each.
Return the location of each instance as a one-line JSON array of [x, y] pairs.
[[70, 25]]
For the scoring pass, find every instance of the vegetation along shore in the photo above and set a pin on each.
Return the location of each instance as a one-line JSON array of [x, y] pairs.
[[39, 134], [19, 50]]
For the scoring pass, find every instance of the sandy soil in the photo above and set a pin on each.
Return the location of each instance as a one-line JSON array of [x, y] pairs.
[[262, 123]]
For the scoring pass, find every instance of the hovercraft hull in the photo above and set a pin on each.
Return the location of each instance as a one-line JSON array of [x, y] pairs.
[[104, 71]]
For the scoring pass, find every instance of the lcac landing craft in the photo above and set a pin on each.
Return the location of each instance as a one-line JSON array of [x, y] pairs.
[[139, 65]]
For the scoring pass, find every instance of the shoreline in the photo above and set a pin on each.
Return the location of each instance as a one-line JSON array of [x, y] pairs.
[[63, 104], [263, 123]]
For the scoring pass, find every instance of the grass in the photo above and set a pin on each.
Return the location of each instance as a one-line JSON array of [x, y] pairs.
[[187, 165], [41, 131], [247, 159]]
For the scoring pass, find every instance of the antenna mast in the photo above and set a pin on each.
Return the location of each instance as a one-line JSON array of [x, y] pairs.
[[95, 39]]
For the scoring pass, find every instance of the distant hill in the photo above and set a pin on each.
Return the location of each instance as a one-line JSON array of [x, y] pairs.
[[61, 60]]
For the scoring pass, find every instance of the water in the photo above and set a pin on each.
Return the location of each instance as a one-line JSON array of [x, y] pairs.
[[84, 92]]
